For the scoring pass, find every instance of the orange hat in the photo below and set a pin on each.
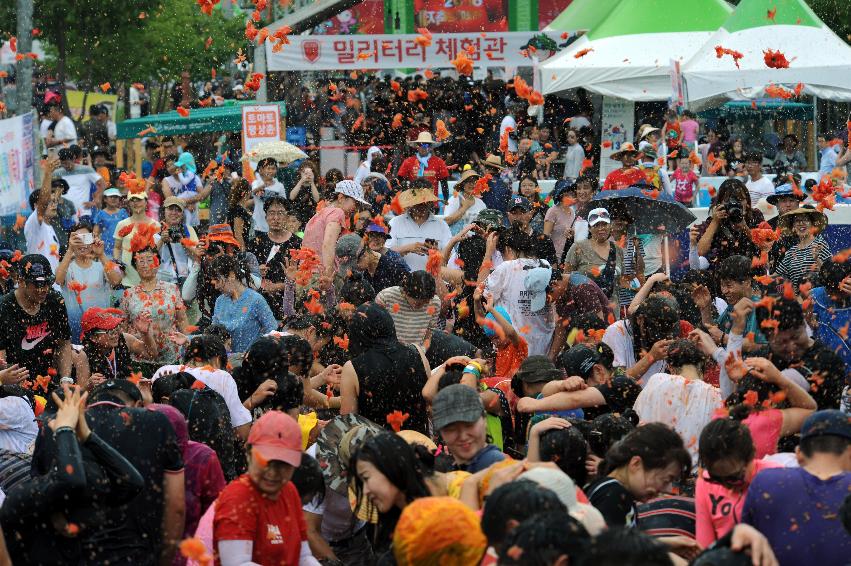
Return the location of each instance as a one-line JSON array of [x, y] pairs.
[[97, 318], [222, 233], [276, 436]]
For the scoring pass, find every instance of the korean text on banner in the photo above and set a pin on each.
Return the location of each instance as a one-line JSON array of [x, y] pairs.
[[347, 52], [17, 166], [260, 123], [618, 119]]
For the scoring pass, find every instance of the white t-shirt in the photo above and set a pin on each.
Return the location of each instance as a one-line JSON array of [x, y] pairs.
[[509, 122], [507, 284], [166, 271], [19, 430], [65, 130], [452, 207], [759, 189], [403, 231], [41, 237], [260, 224], [80, 181], [619, 339], [135, 103], [219, 381]]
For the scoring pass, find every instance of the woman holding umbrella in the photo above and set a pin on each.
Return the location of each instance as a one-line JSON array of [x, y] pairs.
[[628, 174]]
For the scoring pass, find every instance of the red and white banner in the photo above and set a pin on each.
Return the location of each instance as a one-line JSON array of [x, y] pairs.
[[353, 52]]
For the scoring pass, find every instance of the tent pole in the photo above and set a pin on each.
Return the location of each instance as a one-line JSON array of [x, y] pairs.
[[666, 255]]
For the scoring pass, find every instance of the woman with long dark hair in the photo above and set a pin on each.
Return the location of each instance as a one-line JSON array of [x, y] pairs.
[[387, 476], [727, 230], [239, 210], [240, 309], [383, 374], [639, 467]]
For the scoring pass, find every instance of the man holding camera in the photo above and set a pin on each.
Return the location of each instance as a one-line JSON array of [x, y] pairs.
[[176, 244]]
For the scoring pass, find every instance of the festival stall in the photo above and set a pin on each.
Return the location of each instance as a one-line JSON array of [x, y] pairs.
[[628, 54], [774, 48]]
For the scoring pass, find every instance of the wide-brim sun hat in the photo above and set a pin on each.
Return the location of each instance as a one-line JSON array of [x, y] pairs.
[[624, 149], [494, 161], [818, 218], [645, 130], [351, 189], [222, 233], [468, 174], [785, 190], [422, 138], [413, 197]]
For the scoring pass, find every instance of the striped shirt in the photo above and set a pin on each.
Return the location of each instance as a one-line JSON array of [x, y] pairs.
[[798, 262], [625, 295], [412, 326], [14, 469]]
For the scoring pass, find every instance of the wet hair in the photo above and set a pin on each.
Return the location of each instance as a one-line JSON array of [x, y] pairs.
[[657, 445], [739, 402], [662, 313], [162, 388], [567, 449], [308, 480], [684, 352], [296, 352], [608, 429], [270, 358], [239, 189], [519, 241], [626, 547], [451, 376], [204, 348], [542, 539], [471, 251], [419, 285], [81, 225], [832, 273], [224, 265], [724, 439], [207, 415], [267, 161], [518, 501], [276, 200], [398, 462], [731, 188], [825, 444], [219, 331], [734, 268], [787, 312], [752, 156], [333, 176], [356, 290]]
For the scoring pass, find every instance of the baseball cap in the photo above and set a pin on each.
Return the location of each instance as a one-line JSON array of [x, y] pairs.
[[174, 201], [579, 360], [456, 403], [277, 436], [536, 282], [598, 215], [139, 195], [36, 269], [490, 218], [112, 192], [97, 318], [376, 229], [519, 201], [827, 423], [537, 369]]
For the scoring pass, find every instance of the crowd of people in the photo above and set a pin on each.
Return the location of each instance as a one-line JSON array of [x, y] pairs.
[[322, 370]]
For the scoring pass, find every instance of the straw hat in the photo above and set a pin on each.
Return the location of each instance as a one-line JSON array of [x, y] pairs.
[[818, 219], [424, 137], [493, 161], [625, 148], [468, 174], [645, 130], [413, 197]]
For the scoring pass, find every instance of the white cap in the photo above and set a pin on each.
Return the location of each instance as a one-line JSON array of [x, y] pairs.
[[599, 215], [351, 189]]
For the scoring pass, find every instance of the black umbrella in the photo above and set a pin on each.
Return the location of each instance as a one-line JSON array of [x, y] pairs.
[[653, 211]]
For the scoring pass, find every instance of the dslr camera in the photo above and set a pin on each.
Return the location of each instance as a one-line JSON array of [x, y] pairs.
[[735, 211]]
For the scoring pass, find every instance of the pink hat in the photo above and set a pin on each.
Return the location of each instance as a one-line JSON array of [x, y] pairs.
[[277, 436]]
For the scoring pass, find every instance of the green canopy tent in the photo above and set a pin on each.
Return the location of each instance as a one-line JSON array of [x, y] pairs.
[[226, 118], [582, 15]]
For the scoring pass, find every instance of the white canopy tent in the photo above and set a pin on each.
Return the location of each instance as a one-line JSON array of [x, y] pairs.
[[819, 59], [630, 51]]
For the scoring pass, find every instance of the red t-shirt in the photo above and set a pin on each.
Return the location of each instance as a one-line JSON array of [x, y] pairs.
[[509, 358], [435, 172], [276, 527], [623, 178]]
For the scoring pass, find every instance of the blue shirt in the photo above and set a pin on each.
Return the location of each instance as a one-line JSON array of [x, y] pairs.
[[107, 223], [246, 318], [799, 514], [831, 319], [827, 162], [725, 323]]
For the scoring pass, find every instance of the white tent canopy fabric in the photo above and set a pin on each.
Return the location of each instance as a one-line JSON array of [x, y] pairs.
[[634, 67], [818, 59]]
